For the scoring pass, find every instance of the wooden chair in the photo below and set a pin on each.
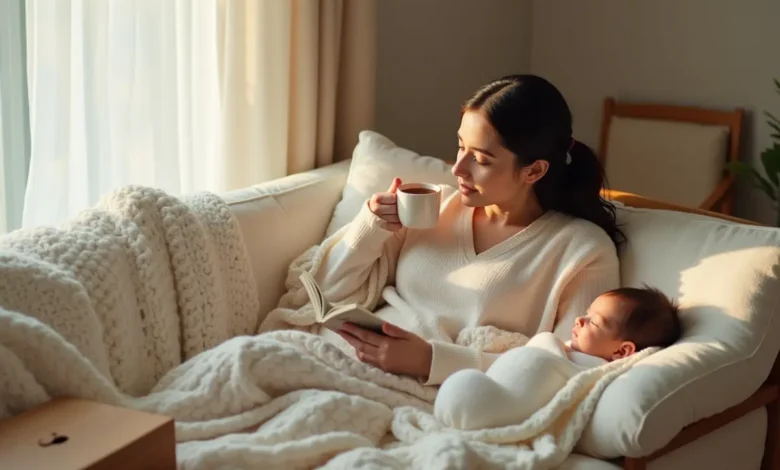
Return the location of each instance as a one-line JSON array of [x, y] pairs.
[[671, 153]]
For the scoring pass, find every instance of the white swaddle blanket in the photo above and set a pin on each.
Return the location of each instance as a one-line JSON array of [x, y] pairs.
[[518, 384]]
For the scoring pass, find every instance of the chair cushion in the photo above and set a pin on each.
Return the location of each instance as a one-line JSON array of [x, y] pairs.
[[725, 276], [677, 162], [376, 160]]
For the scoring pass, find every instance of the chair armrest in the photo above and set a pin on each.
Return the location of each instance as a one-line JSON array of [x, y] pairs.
[[635, 200], [766, 395], [720, 196]]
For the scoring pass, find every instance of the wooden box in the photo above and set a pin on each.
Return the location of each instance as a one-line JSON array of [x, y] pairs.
[[74, 434]]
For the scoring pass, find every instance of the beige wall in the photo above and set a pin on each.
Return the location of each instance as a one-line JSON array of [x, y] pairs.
[[432, 54], [718, 53]]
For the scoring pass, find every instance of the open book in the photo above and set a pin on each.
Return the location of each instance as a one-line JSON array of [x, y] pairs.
[[333, 317]]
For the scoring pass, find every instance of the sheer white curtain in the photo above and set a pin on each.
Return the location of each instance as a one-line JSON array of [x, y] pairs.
[[187, 95], [14, 130]]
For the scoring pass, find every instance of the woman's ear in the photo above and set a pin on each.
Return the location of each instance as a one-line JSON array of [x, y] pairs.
[[625, 349], [535, 171]]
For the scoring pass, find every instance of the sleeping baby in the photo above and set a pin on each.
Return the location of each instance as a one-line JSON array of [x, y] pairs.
[[617, 324]]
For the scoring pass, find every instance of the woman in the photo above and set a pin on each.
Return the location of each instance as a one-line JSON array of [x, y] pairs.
[[525, 243]]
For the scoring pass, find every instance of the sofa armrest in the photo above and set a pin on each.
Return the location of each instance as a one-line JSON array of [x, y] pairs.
[[724, 276], [281, 219], [767, 395]]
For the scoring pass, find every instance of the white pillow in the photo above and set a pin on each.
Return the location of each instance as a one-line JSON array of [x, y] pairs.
[[376, 160]]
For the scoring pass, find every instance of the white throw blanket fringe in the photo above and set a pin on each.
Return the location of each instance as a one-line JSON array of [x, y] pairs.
[[147, 301]]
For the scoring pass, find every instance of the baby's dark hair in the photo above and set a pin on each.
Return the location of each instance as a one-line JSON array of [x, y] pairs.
[[653, 318]]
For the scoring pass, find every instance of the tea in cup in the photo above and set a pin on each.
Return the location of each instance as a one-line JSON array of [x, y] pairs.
[[418, 205]]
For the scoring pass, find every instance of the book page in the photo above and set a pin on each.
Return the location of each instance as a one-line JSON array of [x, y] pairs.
[[353, 314], [315, 294]]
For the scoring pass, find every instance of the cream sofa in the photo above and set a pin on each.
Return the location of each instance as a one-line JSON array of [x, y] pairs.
[[707, 402]]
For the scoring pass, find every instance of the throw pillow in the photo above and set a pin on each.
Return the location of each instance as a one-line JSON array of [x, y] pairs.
[[376, 160]]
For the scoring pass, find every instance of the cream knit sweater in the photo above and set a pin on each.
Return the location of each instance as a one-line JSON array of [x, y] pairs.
[[538, 280]]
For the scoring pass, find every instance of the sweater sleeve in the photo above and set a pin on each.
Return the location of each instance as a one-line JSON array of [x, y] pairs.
[[449, 358], [347, 264]]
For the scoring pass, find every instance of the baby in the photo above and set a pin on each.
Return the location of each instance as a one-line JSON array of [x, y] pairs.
[[617, 324]]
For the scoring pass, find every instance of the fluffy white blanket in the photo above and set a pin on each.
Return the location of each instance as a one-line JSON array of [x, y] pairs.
[[137, 284], [148, 301]]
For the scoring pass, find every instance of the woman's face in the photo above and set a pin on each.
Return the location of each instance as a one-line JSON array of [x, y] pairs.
[[486, 171]]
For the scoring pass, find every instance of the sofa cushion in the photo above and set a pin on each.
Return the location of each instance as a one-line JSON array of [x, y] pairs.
[[376, 160], [725, 276]]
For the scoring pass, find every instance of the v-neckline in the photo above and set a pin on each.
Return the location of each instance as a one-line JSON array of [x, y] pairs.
[[467, 236]]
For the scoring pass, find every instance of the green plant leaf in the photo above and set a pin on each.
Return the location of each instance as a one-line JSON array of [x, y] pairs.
[[744, 170], [770, 158], [774, 123]]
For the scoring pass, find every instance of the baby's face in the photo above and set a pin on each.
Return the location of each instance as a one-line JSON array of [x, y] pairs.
[[597, 333]]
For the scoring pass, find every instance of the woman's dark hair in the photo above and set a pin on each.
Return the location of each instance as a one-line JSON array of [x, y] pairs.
[[534, 122]]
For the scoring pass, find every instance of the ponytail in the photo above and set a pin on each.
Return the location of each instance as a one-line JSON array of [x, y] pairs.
[[583, 180]]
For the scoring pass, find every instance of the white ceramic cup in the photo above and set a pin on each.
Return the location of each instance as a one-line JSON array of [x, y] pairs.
[[418, 204]]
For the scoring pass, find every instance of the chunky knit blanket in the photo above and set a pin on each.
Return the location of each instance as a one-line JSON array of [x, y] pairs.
[[136, 285], [147, 301]]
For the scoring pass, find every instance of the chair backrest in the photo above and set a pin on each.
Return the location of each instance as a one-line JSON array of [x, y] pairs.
[[671, 153]]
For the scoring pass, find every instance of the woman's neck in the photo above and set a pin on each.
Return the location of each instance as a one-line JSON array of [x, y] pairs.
[[520, 213]]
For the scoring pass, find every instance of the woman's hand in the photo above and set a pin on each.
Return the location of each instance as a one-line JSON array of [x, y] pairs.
[[400, 352], [384, 206]]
